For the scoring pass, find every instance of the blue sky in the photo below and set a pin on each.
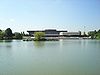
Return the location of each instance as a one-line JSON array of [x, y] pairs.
[[71, 15]]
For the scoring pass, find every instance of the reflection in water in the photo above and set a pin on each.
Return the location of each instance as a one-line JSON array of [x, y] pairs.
[[77, 57], [5, 44], [8, 46], [8, 41], [1, 41], [39, 44], [61, 43]]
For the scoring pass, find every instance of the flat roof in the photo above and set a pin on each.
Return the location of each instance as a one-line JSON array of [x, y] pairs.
[[47, 30]]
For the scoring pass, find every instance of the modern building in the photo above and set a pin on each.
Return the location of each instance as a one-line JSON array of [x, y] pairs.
[[48, 32], [56, 33], [70, 34]]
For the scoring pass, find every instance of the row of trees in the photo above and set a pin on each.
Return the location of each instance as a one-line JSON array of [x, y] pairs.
[[94, 34], [7, 34]]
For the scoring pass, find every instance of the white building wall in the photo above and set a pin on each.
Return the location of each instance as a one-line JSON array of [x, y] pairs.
[[69, 33]]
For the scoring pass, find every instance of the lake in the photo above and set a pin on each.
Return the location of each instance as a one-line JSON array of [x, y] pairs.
[[64, 57]]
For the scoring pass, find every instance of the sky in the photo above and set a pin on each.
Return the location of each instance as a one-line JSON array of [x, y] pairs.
[[70, 15]]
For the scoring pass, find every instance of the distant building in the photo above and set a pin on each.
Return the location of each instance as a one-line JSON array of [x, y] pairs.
[[48, 32], [56, 33], [70, 33]]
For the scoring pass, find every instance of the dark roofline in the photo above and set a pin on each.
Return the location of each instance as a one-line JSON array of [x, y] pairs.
[[62, 31], [50, 29], [47, 30], [36, 31]]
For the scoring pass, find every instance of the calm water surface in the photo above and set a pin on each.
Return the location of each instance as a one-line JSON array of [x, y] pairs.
[[64, 57]]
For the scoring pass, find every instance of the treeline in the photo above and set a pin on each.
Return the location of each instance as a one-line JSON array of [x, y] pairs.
[[94, 34], [8, 35]]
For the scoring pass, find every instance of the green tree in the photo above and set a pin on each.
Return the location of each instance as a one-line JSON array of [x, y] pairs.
[[18, 35], [8, 33], [1, 35], [23, 33], [0, 30], [39, 36], [94, 34], [98, 34], [99, 31]]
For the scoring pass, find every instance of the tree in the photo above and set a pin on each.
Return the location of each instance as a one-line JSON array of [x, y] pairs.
[[94, 34], [0, 30], [23, 33], [18, 35], [99, 31], [84, 33], [79, 32], [1, 35], [8, 33], [39, 36], [98, 34]]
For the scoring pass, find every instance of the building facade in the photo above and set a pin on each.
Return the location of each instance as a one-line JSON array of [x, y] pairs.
[[56, 33], [70, 33], [48, 32]]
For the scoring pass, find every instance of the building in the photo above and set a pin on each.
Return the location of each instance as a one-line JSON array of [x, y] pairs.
[[56, 33], [48, 32], [70, 34]]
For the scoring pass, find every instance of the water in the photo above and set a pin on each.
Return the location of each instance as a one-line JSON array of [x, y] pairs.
[[64, 57]]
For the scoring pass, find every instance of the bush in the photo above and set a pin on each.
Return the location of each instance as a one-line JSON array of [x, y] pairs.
[[39, 36], [18, 35]]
